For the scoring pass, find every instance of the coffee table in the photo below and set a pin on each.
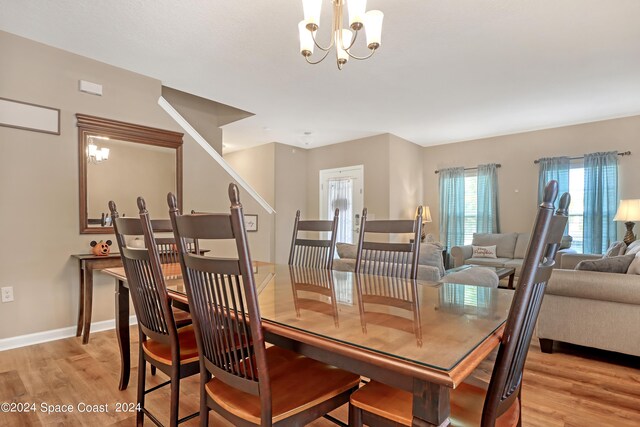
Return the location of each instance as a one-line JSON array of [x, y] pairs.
[[502, 272]]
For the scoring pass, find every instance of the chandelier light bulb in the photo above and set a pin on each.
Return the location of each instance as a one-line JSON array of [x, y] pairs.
[[306, 39], [373, 28], [357, 9], [312, 9]]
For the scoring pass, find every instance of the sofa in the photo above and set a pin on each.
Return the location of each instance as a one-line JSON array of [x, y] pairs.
[[510, 250], [594, 309], [430, 262]]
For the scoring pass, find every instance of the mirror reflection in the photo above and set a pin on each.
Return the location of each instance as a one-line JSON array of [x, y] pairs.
[[121, 171]]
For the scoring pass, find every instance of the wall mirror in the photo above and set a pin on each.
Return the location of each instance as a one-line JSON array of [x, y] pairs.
[[120, 161]]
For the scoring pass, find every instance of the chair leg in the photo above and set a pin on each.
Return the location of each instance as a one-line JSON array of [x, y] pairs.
[[355, 416], [175, 395], [142, 374], [153, 370], [205, 376], [546, 345]]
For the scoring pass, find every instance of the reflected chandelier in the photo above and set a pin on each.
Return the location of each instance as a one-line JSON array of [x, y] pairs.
[[343, 39]]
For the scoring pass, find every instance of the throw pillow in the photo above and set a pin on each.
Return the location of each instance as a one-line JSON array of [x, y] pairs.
[[566, 241], [484, 252], [616, 249], [616, 264], [346, 250], [634, 267], [633, 248], [431, 254]]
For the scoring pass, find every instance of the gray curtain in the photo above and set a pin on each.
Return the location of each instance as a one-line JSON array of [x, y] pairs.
[[452, 207], [600, 201], [553, 168], [487, 198]]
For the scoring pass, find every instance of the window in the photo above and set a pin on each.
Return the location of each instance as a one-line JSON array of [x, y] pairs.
[[470, 206], [576, 208]]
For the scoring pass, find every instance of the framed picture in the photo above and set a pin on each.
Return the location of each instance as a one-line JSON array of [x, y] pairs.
[[23, 115], [251, 222]]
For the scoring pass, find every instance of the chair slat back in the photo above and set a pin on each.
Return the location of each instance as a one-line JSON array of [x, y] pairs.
[[385, 258], [537, 266], [147, 287], [312, 253], [223, 300]]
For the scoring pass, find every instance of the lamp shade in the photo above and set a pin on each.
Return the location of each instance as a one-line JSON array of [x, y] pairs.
[[629, 210], [426, 214], [306, 39], [312, 9], [373, 28]]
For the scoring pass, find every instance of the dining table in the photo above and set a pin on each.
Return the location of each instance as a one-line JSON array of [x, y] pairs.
[[422, 337]]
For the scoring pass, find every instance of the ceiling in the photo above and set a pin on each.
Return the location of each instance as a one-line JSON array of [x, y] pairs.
[[447, 71]]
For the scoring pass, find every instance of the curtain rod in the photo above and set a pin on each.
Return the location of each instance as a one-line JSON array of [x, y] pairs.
[[470, 169], [624, 153]]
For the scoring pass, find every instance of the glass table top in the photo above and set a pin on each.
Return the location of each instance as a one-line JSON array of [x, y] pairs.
[[427, 323]]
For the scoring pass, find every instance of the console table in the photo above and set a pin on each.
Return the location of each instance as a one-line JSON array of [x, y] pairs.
[[88, 263]]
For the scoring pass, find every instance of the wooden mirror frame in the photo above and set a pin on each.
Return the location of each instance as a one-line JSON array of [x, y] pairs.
[[91, 125]]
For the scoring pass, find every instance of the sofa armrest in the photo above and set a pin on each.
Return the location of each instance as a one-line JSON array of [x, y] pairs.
[[614, 287], [569, 261], [460, 254]]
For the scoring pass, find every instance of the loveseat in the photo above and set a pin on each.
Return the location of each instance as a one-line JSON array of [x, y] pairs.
[[510, 250], [590, 308], [430, 263]]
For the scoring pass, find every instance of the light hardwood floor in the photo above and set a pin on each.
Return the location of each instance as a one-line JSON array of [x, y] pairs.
[[574, 387]]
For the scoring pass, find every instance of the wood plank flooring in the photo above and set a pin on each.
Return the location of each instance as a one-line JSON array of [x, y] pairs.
[[574, 387]]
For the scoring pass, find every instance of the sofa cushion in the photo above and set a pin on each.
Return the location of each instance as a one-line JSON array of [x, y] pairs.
[[634, 267], [521, 245], [431, 254], [622, 288], [505, 242], [616, 264], [484, 252], [633, 248], [347, 250], [566, 241], [616, 249], [493, 262]]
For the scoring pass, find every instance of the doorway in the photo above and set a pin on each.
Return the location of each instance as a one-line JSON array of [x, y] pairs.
[[343, 188]]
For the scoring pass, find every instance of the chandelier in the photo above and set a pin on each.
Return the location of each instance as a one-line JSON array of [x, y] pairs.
[[95, 154], [342, 38]]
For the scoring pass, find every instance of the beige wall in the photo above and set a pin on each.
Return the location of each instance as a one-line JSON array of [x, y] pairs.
[[371, 152], [518, 177], [405, 178], [290, 194], [39, 182], [256, 165]]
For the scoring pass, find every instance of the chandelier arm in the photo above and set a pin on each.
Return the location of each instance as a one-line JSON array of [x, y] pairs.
[[353, 41], [319, 60], [360, 58], [324, 49]]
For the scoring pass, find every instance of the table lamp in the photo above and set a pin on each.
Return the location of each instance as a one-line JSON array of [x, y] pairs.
[[628, 211], [426, 217]]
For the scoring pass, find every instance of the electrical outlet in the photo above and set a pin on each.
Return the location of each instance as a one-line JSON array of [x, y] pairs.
[[7, 294]]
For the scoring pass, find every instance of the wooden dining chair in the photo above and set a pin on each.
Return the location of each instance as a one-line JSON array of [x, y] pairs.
[[380, 405], [161, 343], [390, 303], [389, 258], [241, 379], [316, 253]]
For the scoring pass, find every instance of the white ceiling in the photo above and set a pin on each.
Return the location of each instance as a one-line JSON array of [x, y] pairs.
[[448, 70]]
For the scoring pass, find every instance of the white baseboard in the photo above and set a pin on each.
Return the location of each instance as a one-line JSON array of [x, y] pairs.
[[56, 334]]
